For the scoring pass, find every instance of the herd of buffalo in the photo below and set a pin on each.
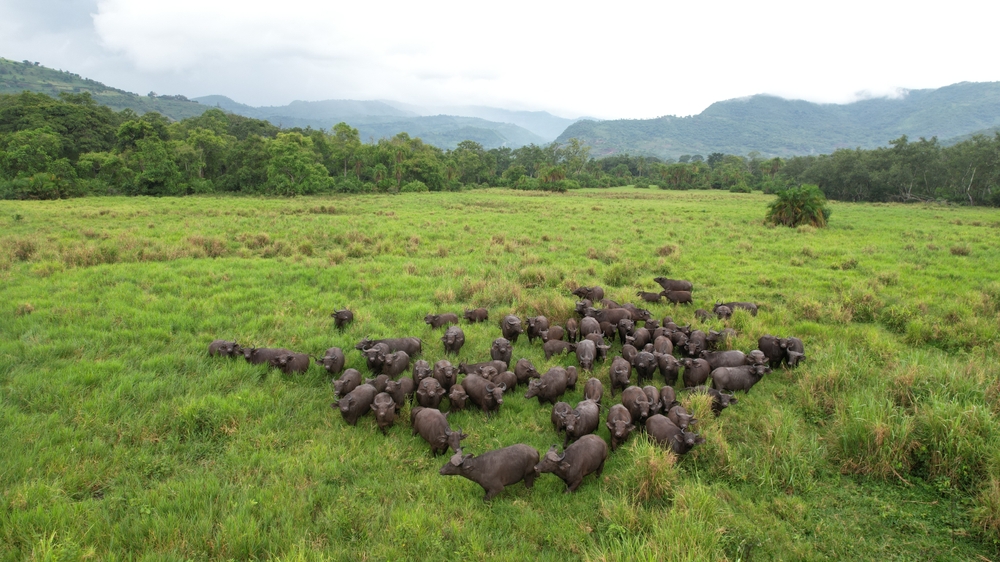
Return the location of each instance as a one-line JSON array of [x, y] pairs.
[[675, 351]]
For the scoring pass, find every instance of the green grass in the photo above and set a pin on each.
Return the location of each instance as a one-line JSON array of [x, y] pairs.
[[122, 440]]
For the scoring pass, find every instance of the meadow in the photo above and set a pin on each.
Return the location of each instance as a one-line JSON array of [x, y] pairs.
[[122, 440]]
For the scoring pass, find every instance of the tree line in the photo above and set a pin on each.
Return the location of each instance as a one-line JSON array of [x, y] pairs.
[[71, 146]]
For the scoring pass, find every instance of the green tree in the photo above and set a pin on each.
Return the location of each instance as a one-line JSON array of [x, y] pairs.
[[29, 152], [345, 144], [156, 173], [294, 168]]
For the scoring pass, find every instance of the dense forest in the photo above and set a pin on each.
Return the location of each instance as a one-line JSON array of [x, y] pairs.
[[72, 146]]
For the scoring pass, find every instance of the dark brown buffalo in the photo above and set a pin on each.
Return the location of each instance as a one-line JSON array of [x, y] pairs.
[[553, 333], [333, 361], [510, 327], [583, 457], [557, 347], [438, 320], [621, 371], [385, 411], [429, 393], [433, 426], [473, 368], [342, 318], [421, 370], [536, 325], [593, 390], [525, 371], [401, 390], [493, 470], [637, 403], [356, 403], [572, 330], [445, 373], [347, 382], [696, 372], [667, 434], [649, 297], [412, 346], [678, 297], [619, 424], [396, 364], [291, 363], [501, 350], [748, 306], [549, 387], [453, 340], [260, 355], [457, 398], [673, 284], [223, 348], [477, 315]]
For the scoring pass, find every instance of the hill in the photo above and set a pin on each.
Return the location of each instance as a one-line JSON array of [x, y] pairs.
[[373, 119], [541, 123], [775, 126], [16, 77], [377, 119]]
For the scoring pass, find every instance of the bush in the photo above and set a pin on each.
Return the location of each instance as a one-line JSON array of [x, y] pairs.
[[348, 184], [413, 187], [799, 205]]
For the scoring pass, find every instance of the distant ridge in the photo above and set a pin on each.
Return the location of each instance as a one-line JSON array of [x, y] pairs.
[[775, 126], [17, 77], [373, 119], [378, 119]]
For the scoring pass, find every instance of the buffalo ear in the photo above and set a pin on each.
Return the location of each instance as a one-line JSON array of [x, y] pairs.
[[503, 387], [564, 466], [374, 409]]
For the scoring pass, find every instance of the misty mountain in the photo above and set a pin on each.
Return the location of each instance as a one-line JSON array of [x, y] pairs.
[[338, 110], [377, 119], [373, 119], [775, 126], [542, 123]]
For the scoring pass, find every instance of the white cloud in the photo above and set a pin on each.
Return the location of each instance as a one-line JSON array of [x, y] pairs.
[[626, 59]]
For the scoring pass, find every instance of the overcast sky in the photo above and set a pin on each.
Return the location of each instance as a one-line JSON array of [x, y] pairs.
[[624, 59]]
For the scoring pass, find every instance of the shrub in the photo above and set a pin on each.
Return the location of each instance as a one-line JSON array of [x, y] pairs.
[[413, 187], [799, 205], [986, 512]]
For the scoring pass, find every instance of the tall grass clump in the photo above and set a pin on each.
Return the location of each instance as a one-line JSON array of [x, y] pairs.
[[803, 205], [874, 437]]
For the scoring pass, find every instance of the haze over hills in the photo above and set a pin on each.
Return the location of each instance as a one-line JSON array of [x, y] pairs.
[[767, 124], [373, 119], [778, 127], [378, 119]]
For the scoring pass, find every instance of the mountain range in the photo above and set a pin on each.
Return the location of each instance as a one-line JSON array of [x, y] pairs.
[[444, 127], [770, 125], [775, 126]]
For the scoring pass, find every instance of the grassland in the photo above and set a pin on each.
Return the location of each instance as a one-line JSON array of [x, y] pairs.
[[122, 440]]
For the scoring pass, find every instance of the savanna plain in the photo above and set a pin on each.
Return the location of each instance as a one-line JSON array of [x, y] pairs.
[[122, 439]]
